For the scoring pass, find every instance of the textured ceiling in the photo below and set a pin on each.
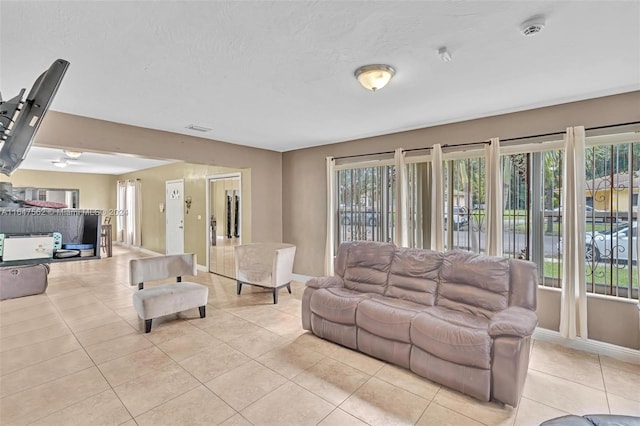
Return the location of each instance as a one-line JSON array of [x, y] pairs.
[[279, 75]]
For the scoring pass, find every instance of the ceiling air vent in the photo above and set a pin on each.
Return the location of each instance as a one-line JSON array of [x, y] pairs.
[[198, 128], [532, 26]]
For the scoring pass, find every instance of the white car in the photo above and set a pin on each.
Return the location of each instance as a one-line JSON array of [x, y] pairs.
[[613, 245], [601, 245]]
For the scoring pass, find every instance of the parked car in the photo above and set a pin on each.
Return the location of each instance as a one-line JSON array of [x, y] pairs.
[[368, 218], [459, 217], [615, 245], [610, 244]]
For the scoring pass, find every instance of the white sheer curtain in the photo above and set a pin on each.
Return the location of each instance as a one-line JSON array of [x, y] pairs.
[[573, 302], [136, 208], [437, 199], [494, 196], [129, 200], [402, 193], [331, 219], [121, 205]]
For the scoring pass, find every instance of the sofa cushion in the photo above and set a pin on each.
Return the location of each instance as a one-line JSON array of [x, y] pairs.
[[468, 380], [368, 265], [387, 317], [474, 283], [342, 334], [398, 353], [414, 275], [458, 337], [337, 304]]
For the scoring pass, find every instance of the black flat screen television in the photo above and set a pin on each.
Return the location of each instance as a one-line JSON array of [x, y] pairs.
[[20, 119]]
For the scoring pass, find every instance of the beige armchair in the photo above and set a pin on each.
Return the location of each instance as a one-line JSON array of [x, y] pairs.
[[267, 265]]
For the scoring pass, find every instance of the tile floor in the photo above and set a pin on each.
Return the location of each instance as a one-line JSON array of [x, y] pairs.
[[76, 356]]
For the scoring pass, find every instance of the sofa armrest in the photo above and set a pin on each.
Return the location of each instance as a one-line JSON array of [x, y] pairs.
[[322, 282], [513, 321]]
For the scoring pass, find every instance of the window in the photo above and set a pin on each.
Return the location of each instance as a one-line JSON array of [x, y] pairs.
[[612, 181], [464, 196], [365, 204], [367, 200]]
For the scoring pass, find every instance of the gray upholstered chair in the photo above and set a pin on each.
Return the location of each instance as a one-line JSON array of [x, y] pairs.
[[267, 265], [166, 299], [593, 420]]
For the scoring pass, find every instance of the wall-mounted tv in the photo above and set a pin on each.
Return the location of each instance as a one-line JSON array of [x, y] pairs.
[[20, 119]]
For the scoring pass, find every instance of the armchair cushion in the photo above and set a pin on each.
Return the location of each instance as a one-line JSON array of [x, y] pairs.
[[265, 264]]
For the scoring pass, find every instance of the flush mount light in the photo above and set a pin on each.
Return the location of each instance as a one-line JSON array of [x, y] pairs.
[[374, 77], [72, 154], [532, 26], [60, 163]]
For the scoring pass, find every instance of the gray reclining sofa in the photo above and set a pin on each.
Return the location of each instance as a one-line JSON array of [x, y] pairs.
[[458, 318]]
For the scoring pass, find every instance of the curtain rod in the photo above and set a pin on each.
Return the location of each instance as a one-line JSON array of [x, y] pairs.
[[364, 155], [608, 126], [488, 142], [449, 145]]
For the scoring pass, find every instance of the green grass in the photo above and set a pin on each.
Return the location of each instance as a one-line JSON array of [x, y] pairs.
[[603, 274]]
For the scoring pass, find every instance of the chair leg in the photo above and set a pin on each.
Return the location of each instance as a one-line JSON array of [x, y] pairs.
[[239, 286], [289, 287], [203, 311], [275, 296], [147, 325]]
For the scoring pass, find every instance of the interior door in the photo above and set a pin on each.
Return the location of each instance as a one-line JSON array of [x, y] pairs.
[[174, 216]]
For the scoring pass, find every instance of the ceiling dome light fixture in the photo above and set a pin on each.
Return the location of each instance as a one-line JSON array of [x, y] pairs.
[[532, 26], [72, 154], [374, 77], [60, 163]]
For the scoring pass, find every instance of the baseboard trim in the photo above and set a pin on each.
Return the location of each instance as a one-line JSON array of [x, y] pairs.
[[301, 278], [601, 348], [146, 251]]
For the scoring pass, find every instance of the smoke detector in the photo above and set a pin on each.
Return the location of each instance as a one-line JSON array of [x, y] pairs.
[[532, 26], [198, 128], [445, 56]]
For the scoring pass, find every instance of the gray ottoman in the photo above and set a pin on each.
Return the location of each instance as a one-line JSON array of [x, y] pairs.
[[19, 281]]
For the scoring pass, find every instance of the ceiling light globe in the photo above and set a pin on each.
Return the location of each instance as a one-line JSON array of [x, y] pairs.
[[374, 77], [72, 154]]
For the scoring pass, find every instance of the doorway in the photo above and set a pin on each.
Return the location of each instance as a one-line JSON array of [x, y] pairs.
[[224, 209], [174, 202]]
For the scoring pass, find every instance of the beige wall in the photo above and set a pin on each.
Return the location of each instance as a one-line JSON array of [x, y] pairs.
[[96, 191], [195, 221], [609, 319], [303, 171], [61, 130]]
